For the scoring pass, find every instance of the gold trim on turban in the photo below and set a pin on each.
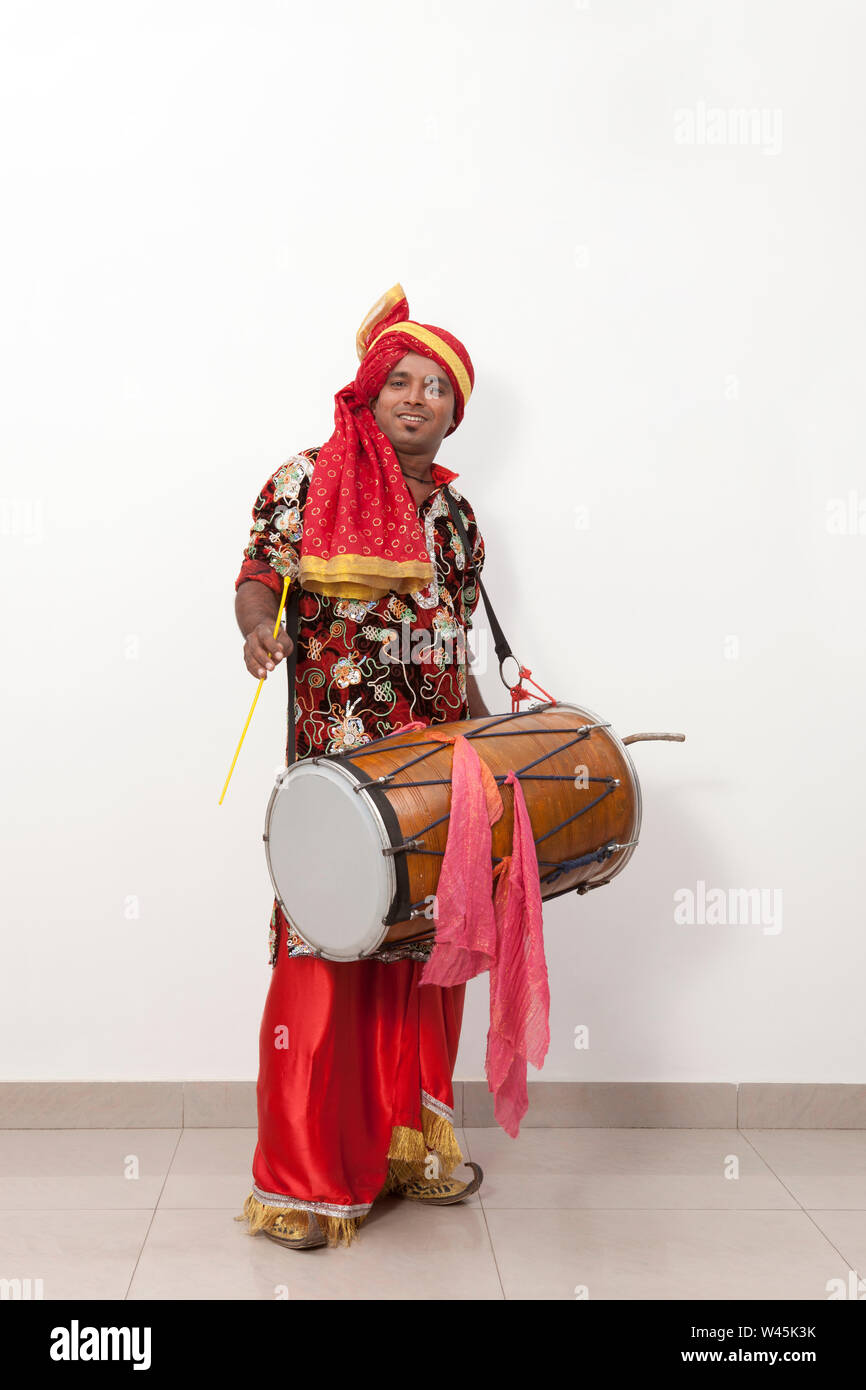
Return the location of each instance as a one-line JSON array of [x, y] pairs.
[[382, 307], [442, 349]]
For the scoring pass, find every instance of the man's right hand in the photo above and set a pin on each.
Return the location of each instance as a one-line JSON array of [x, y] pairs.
[[263, 651]]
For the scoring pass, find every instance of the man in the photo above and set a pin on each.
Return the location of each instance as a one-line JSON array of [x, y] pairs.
[[360, 1101]]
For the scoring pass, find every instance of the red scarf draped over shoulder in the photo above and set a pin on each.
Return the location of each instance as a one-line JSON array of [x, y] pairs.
[[362, 537]]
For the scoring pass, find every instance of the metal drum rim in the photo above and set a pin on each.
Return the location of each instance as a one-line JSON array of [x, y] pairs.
[[344, 771]]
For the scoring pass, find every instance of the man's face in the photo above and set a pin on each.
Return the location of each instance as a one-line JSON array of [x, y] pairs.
[[415, 406]]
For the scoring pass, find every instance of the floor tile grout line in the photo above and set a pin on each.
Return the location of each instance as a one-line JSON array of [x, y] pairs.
[[754, 1149], [153, 1213], [850, 1264], [487, 1227], [787, 1211], [767, 1164], [133, 1124], [805, 1210]]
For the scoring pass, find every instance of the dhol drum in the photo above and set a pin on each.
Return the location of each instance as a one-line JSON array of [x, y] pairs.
[[354, 841]]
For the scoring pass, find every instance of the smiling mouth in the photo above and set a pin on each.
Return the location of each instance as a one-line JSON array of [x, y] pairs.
[[413, 419]]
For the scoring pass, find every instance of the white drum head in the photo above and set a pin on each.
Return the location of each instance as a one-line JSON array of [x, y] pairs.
[[324, 846]]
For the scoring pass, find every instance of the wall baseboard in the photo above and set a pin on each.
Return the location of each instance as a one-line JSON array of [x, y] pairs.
[[552, 1104]]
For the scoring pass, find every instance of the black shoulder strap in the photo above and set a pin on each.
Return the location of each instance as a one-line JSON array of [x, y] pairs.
[[500, 642]]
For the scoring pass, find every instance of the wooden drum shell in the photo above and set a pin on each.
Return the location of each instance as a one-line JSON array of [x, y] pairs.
[[518, 741]]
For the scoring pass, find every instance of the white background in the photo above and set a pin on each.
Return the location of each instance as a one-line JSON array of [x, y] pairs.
[[201, 201]]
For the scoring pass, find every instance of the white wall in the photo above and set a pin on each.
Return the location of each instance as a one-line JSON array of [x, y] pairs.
[[201, 202]]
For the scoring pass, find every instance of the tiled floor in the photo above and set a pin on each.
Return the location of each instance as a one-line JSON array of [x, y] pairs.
[[563, 1214]]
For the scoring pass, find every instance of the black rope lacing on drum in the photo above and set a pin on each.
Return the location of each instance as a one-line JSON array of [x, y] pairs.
[[559, 867]]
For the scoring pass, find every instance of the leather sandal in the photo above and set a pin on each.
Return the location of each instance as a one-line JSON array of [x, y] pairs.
[[311, 1237], [442, 1193]]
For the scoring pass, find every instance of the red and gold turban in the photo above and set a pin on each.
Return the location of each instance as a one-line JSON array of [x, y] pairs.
[[362, 537]]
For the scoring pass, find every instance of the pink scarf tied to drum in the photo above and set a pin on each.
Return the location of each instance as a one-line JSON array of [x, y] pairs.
[[477, 931]]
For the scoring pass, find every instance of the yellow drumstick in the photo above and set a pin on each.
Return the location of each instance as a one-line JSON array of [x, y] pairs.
[[286, 582]]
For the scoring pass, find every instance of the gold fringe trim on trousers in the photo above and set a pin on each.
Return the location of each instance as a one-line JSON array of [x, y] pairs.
[[340, 1230], [411, 1150], [409, 1156]]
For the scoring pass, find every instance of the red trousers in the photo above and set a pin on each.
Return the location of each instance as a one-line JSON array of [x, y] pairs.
[[355, 1070]]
